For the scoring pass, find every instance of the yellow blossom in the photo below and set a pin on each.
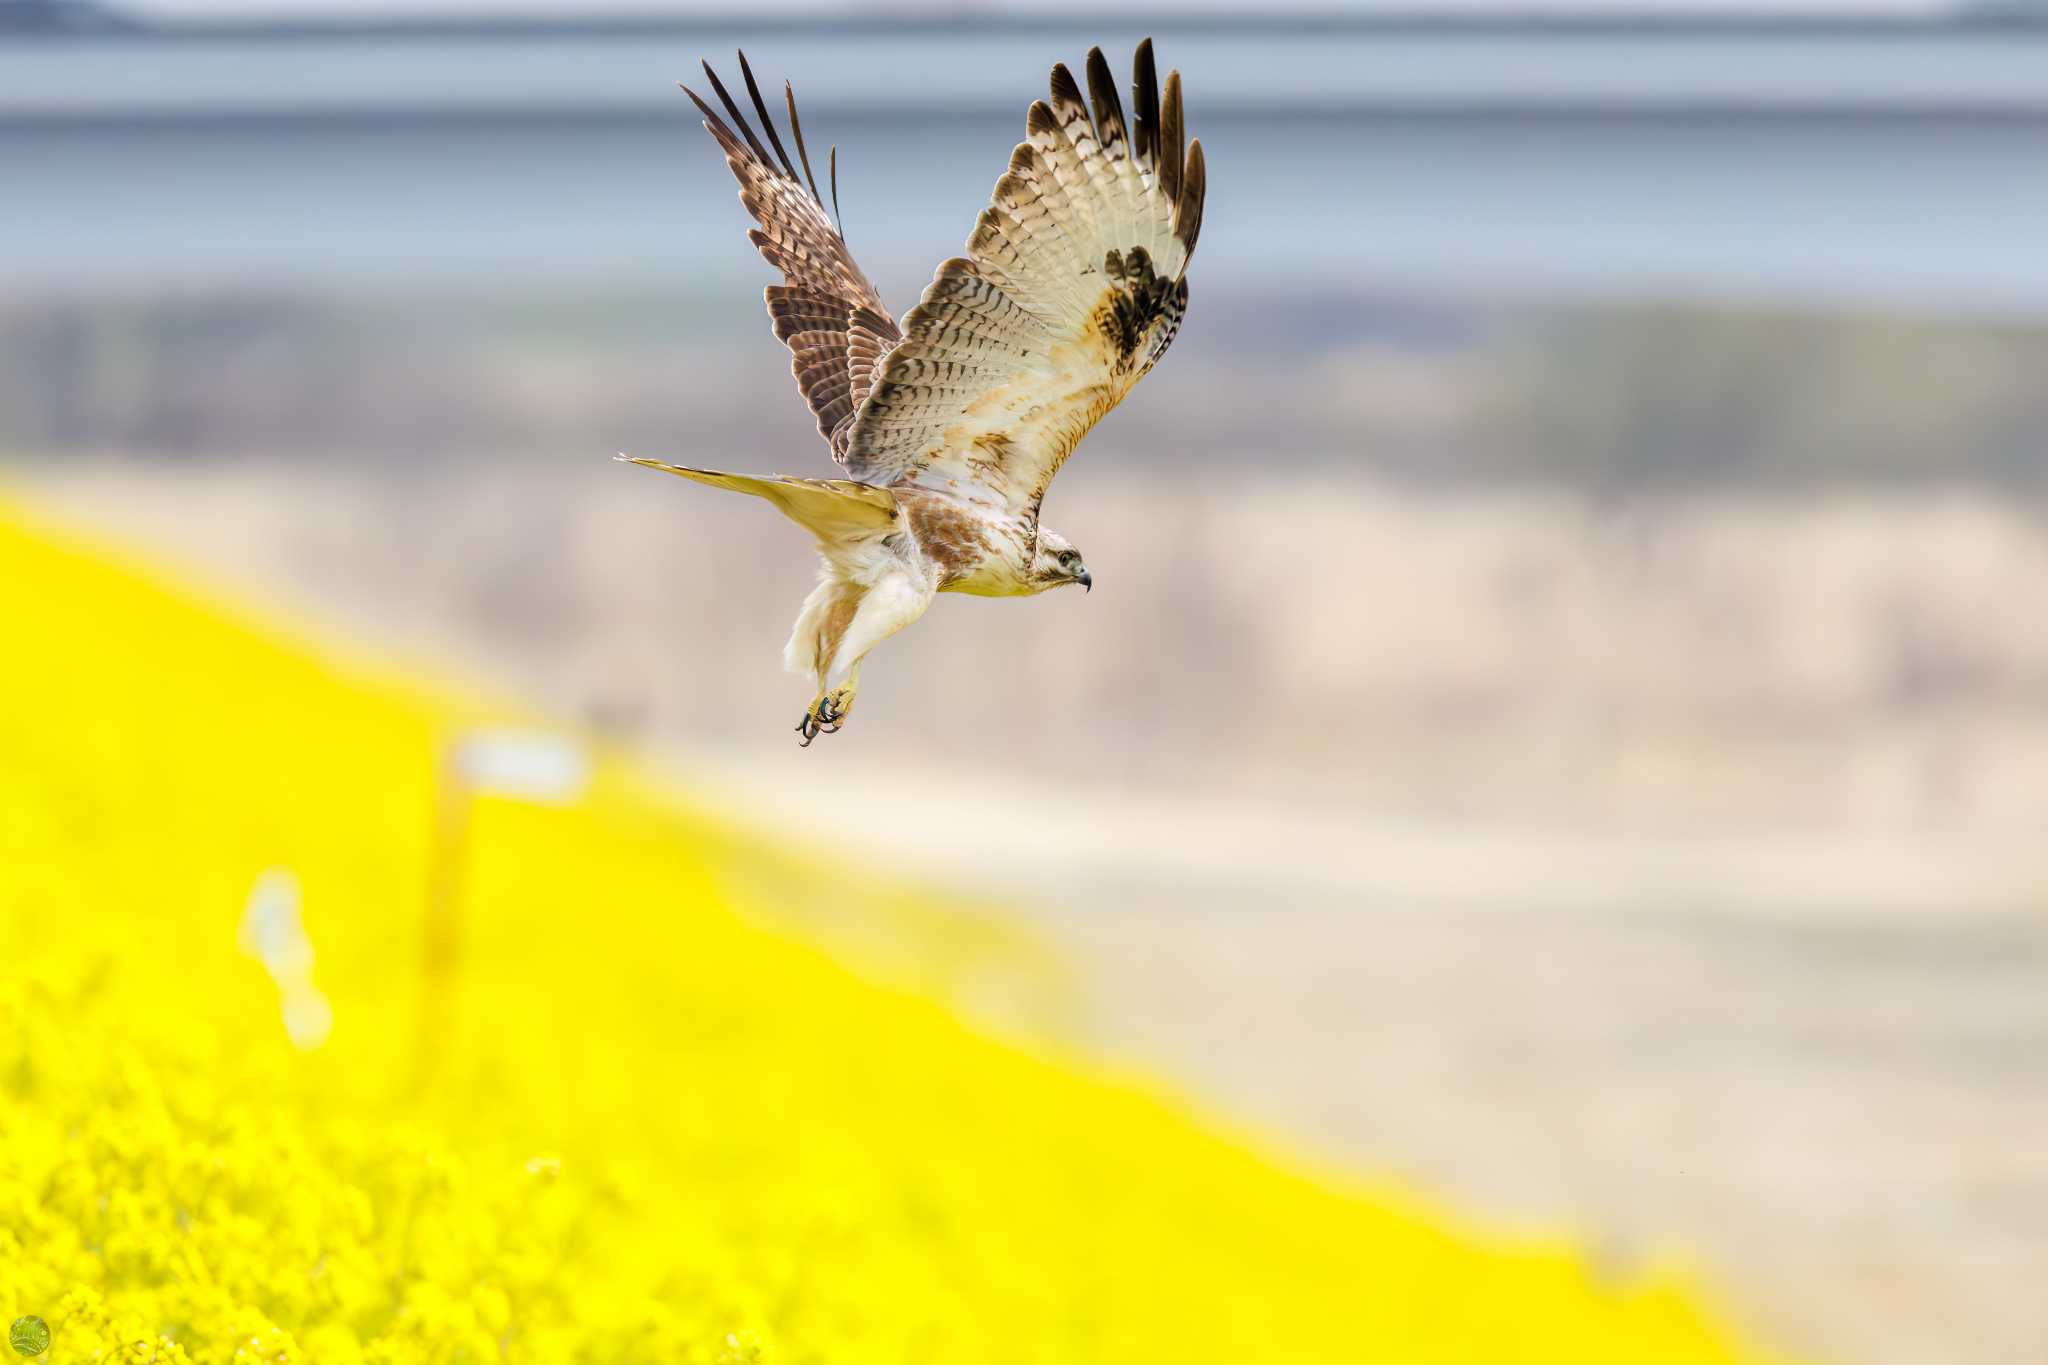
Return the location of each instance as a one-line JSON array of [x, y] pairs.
[[633, 1124]]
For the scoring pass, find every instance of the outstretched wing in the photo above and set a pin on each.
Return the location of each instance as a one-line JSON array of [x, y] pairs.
[[1073, 286], [824, 310]]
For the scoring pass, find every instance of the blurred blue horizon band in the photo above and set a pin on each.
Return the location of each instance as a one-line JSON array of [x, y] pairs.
[[1863, 71], [1892, 166]]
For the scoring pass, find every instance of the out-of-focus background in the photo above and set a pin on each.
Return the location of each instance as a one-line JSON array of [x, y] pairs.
[[1565, 720]]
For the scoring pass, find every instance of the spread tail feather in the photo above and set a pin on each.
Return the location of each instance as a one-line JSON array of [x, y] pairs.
[[830, 509]]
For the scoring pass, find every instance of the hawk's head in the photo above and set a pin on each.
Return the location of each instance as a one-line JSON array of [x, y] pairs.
[[1057, 563]]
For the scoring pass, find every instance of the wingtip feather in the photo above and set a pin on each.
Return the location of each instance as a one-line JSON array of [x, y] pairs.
[[1194, 188], [712, 122], [1066, 97], [732, 108], [1145, 106], [1172, 134], [796, 130], [1110, 129], [767, 122]]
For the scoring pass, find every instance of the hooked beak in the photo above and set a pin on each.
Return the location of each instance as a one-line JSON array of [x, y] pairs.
[[1086, 580]]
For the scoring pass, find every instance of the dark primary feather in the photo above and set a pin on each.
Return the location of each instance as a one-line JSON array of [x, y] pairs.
[[825, 310], [1171, 138], [767, 123], [1067, 103], [1145, 107], [796, 130], [1109, 110], [1194, 188], [760, 154]]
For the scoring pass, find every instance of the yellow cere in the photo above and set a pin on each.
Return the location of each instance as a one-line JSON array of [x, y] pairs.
[[629, 1121]]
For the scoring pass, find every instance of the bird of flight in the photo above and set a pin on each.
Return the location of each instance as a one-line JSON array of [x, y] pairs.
[[952, 422]]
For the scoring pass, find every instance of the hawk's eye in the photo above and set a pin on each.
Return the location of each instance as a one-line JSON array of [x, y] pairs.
[[1069, 561]]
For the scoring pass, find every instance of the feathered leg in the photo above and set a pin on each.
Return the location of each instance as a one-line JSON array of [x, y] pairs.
[[892, 603]]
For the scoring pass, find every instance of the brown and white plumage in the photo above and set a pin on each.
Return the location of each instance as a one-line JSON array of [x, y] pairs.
[[1073, 286], [952, 424], [824, 310]]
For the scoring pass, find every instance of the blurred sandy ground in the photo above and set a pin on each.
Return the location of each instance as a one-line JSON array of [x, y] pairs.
[[1669, 868]]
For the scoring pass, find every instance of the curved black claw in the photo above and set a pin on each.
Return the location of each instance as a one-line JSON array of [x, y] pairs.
[[825, 718]]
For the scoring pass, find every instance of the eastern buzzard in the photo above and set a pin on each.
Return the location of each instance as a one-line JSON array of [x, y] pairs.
[[951, 423]]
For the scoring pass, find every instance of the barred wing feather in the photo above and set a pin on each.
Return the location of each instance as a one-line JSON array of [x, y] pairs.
[[1073, 286], [824, 310]]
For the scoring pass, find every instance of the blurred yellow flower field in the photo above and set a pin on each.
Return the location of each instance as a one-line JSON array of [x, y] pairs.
[[635, 1124]]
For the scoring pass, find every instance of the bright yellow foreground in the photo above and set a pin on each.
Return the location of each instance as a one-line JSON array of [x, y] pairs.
[[649, 1129]]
